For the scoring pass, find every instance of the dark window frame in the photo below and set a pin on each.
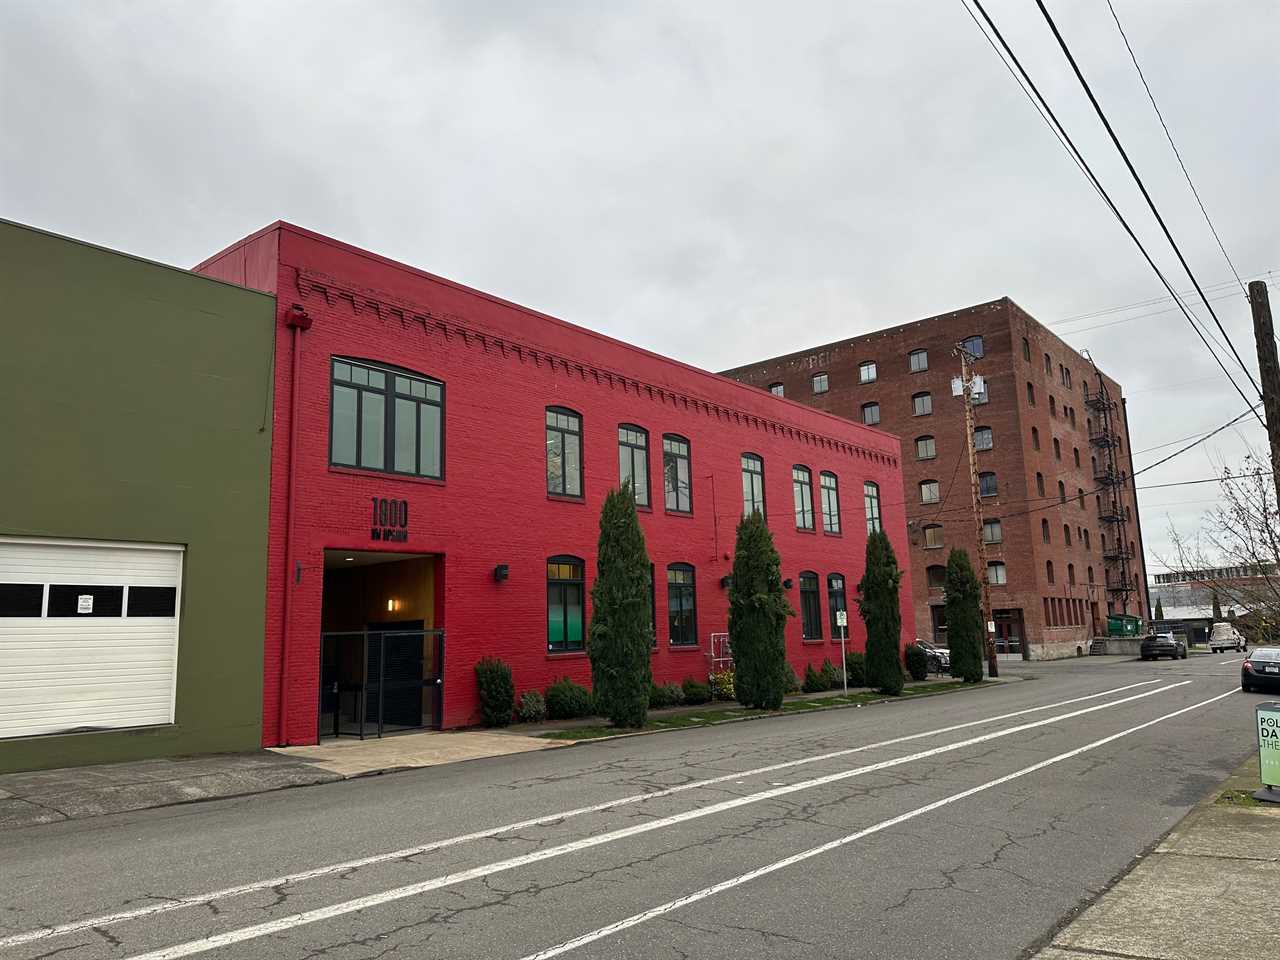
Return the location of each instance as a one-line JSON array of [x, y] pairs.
[[826, 382], [753, 473], [565, 433], [564, 585], [810, 606], [390, 394], [986, 432], [875, 371], [688, 629], [802, 496], [675, 457], [830, 496], [932, 446], [994, 484], [837, 600], [927, 397], [636, 449], [871, 506], [869, 406], [974, 345]]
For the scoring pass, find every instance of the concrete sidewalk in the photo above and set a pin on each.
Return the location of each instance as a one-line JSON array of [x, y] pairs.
[[1206, 891]]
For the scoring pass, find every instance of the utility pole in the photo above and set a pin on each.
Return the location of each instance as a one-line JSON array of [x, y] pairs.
[[1268, 369], [966, 385]]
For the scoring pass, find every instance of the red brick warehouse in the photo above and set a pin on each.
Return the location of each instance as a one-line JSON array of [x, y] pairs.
[[440, 460]]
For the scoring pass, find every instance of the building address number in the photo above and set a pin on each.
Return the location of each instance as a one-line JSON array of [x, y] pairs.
[[390, 520]]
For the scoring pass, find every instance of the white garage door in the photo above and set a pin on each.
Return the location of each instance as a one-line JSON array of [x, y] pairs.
[[88, 635]]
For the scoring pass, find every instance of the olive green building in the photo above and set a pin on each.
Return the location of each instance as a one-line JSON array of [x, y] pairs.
[[135, 440]]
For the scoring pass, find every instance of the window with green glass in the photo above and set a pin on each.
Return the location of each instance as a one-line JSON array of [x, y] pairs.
[[565, 591]]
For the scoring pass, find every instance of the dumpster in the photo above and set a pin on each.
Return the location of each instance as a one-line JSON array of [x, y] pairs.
[[1123, 625]]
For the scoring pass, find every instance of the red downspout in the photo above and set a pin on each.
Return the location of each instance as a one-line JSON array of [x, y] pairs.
[[297, 320]]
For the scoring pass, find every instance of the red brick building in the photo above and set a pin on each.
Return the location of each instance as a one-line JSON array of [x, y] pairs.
[[1062, 538], [439, 463]]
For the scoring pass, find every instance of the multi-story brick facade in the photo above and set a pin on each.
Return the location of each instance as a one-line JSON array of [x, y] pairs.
[[440, 460], [1053, 454]]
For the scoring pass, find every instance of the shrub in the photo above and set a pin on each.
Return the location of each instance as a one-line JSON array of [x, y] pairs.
[[830, 675], [758, 611], [878, 605], [497, 692], [917, 661], [814, 682], [532, 708], [621, 632], [964, 618], [793, 682], [567, 700], [722, 685], [666, 695], [695, 691], [855, 665]]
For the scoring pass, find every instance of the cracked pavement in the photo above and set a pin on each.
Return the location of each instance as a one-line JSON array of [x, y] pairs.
[[986, 877]]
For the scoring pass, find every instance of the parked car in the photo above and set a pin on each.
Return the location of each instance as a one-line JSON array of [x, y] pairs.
[[1261, 670], [1223, 636], [938, 658], [1159, 645]]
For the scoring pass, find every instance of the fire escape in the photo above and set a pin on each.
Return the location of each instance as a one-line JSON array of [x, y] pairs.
[[1113, 514]]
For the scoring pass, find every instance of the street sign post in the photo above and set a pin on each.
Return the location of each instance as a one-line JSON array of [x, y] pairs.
[[842, 621], [1268, 726]]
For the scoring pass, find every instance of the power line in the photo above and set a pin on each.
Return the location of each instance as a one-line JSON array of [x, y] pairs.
[[1050, 118], [1174, 146], [1142, 187], [1150, 302], [1187, 483]]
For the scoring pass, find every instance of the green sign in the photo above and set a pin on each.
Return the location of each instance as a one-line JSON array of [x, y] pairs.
[[1269, 743]]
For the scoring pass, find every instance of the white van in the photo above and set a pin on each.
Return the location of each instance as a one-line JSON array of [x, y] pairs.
[[1223, 636]]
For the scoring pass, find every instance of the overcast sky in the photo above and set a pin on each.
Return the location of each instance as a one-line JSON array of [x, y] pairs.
[[715, 181]]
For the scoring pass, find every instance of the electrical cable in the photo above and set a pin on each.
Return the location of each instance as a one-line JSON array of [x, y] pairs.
[[1142, 187], [1174, 147], [1065, 138]]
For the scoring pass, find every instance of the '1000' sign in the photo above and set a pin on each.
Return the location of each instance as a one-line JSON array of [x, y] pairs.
[[390, 520]]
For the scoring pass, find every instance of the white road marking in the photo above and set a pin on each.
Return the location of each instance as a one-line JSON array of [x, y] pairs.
[[1223, 663], [199, 899], [342, 908], [739, 880]]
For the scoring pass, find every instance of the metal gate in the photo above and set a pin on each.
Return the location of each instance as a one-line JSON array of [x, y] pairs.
[[377, 681]]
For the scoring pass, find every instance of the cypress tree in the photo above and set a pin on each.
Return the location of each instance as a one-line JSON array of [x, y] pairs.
[[621, 632], [758, 611], [964, 618], [1217, 608], [1159, 609], [878, 605]]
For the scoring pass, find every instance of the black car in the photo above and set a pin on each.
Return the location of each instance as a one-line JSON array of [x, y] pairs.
[[1159, 645], [1261, 670]]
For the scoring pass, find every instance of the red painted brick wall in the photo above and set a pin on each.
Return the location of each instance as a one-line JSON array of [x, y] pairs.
[[502, 365]]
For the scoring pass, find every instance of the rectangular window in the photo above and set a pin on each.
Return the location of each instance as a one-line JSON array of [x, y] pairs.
[[564, 604], [997, 574], [867, 371], [776, 389], [73, 600], [675, 474], [153, 602], [919, 360], [871, 503], [564, 452], [926, 448], [928, 491], [802, 491], [682, 618], [983, 438], [752, 484], [933, 537], [819, 383], [830, 502], [633, 461], [992, 532], [836, 604], [374, 410], [810, 606], [21, 599], [987, 484], [871, 414], [922, 404]]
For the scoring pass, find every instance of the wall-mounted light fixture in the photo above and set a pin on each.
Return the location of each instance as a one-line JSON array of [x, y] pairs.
[[500, 572], [786, 584], [393, 605], [726, 582]]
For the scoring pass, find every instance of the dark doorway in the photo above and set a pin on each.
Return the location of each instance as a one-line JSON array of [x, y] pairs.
[[1009, 636]]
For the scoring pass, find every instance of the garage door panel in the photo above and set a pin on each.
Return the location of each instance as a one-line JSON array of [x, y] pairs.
[[83, 669]]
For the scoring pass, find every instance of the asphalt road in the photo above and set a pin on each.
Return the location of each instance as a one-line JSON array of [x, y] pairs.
[[942, 828]]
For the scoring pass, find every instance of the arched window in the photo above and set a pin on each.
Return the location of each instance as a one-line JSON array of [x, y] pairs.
[[1057, 449], [1035, 438], [1071, 415], [565, 591], [564, 452], [871, 413], [1066, 534], [1089, 573], [987, 484], [752, 484], [1040, 484], [935, 576], [1075, 455], [1048, 365], [1048, 570], [1071, 574], [836, 604], [682, 607], [983, 438], [777, 389], [929, 492], [1080, 497], [871, 504], [633, 461], [802, 493], [922, 404], [1044, 530], [1086, 540], [1053, 406], [810, 606], [926, 449], [676, 485], [918, 360], [997, 575], [1031, 394], [830, 502], [1062, 492], [867, 371], [386, 419], [1093, 463], [1026, 349], [933, 536], [973, 346]]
